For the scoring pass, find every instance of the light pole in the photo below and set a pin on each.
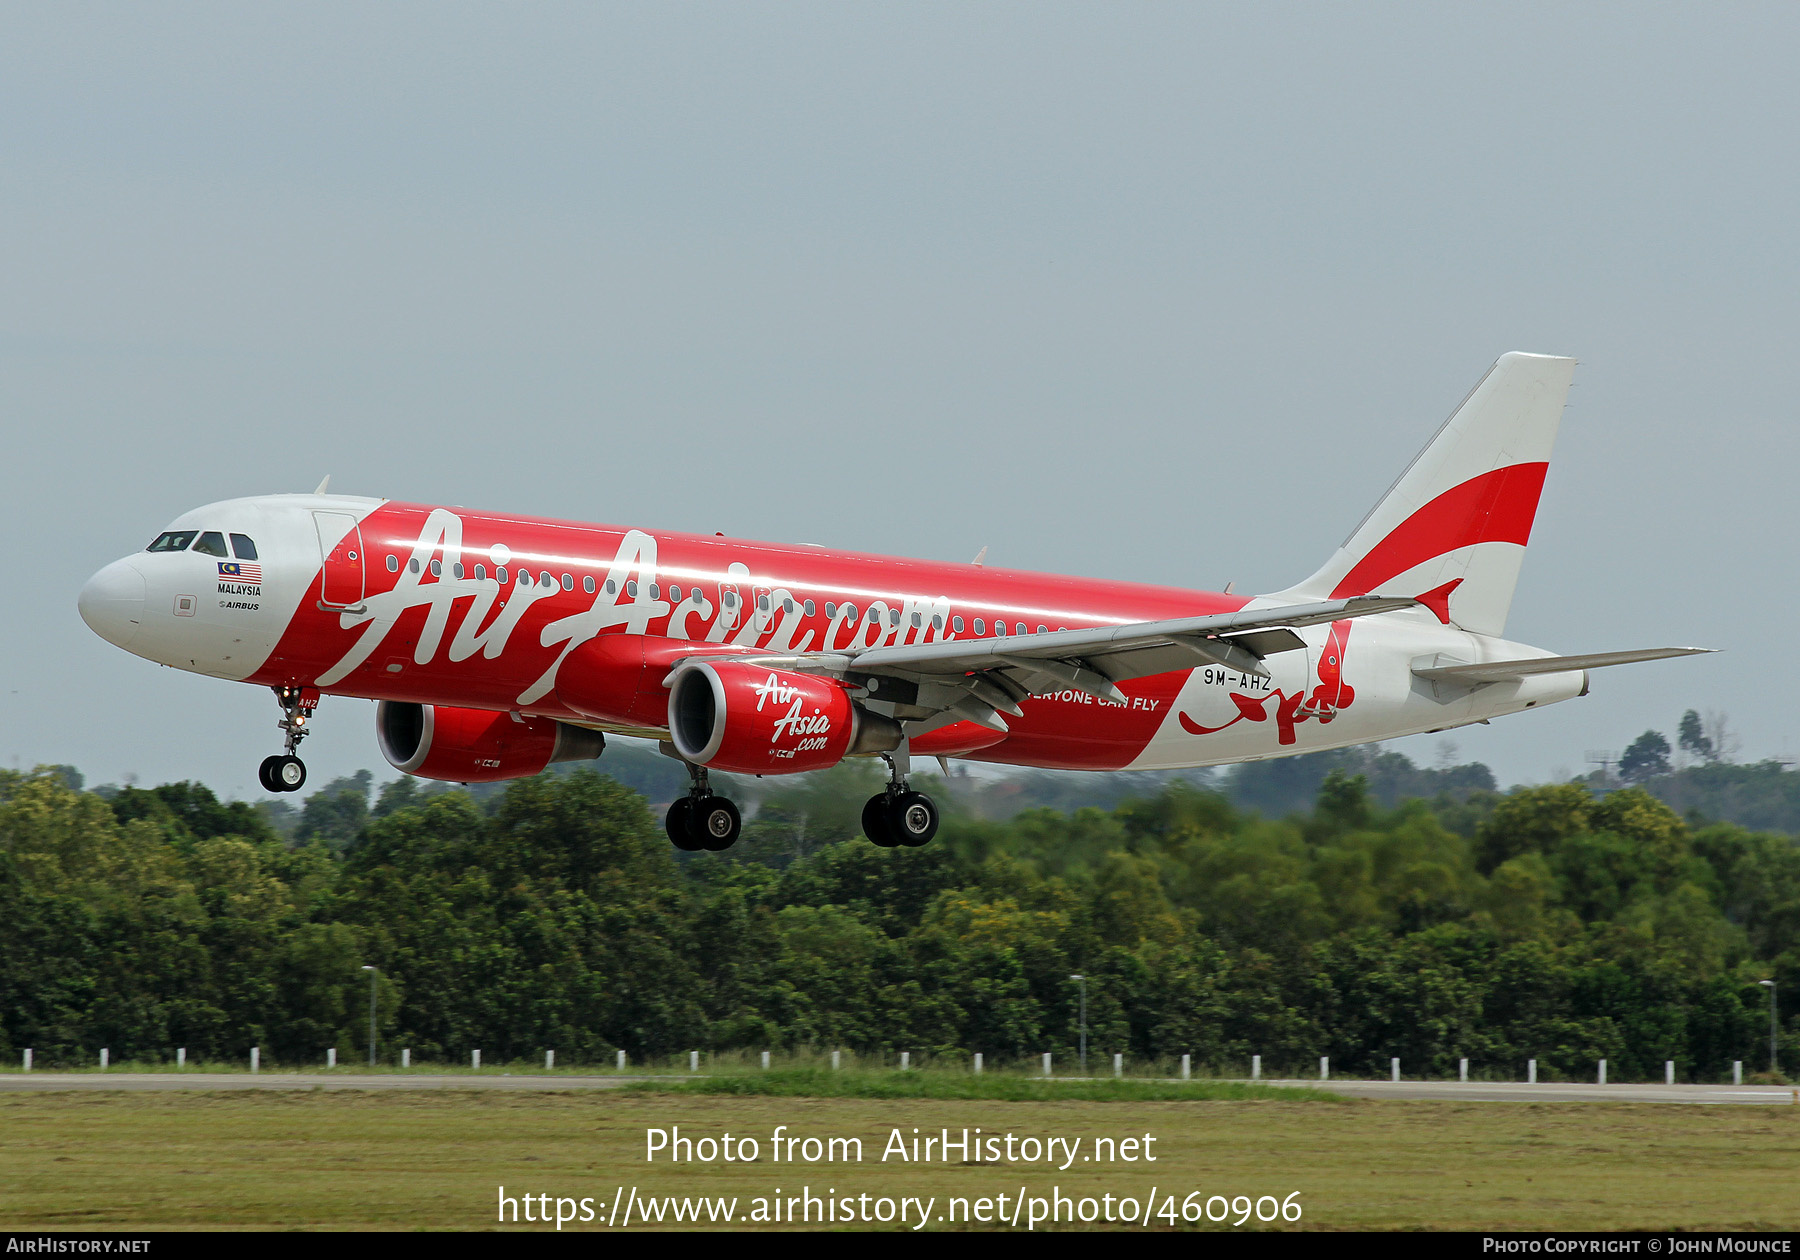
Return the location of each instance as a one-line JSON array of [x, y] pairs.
[[1770, 986], [372, 974], [1082, 980]]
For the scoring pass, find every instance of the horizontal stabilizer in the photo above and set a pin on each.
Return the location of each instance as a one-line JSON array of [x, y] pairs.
[[1503, 671]]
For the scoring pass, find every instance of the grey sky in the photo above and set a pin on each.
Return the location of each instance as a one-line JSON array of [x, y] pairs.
[[1163, 292]]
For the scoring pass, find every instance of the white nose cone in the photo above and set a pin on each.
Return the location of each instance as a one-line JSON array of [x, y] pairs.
[[112, 602]]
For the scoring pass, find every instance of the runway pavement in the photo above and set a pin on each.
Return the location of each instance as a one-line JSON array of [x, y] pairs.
[[1519, 1091], [154, 1081], [1439, 1091]]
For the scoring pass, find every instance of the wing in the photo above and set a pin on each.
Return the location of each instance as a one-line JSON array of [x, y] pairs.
[[1502, 671], [928, 685]]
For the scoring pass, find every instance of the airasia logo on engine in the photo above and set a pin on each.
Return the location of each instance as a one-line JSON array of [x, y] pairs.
[[813, 729]]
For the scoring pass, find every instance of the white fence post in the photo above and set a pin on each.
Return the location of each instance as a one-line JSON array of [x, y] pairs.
[[406, 1057], [1186, 1066], [255, 1059], [1668, 1071], [1462, 1071], [103, 1054], [835, 1060], [905, 1059], [1256, 1067], [621, 1061], [978, 1063], [693, 1060], [549, 1060], [1531, 1071], [180, 1058], [1737, 1068], [475, 1060], [1394, 1067], [765, 1060], [1324, 1068], [28, 1059], [331, 1057], [1603, 1071], [1046, 1064], [1118, 1065]]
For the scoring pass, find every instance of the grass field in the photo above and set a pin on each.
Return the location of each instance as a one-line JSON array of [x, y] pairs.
[[435, 1160]]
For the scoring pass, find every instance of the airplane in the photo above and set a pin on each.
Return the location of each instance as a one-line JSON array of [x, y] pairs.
[[496, 645]]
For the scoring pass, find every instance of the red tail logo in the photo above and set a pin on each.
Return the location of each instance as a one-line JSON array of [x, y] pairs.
[[1331, 695]]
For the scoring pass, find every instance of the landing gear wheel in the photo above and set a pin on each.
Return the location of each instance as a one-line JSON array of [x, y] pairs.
[[283, 774], [912, 819], [875, 822], [717, 823], [680, 825]]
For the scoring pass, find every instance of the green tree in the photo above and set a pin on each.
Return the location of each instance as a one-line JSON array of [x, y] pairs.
[[1645, 757], [1692, 739]]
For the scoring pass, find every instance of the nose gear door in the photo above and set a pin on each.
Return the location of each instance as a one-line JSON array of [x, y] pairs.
[[341, 555]]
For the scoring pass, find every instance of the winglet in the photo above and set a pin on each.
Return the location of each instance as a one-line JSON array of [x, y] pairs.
[[1438, 600], [323, 484], [980, 556]]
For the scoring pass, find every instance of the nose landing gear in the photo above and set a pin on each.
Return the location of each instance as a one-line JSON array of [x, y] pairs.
[[899, 816], [701, 820], [287, 773]]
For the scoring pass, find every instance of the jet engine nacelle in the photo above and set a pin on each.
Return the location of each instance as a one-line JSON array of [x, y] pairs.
[[434, 741], [755, 720]]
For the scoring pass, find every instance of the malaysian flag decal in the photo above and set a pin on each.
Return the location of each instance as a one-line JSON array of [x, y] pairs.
[[240, 571]]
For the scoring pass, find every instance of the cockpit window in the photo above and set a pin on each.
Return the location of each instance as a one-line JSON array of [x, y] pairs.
[[242, 547], [172, 540], [212, 543]]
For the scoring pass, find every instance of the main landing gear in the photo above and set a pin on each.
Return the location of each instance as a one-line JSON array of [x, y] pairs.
[[701, 820], [899, 816], [287, 773]]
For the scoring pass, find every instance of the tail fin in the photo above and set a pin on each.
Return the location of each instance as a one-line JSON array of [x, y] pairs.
[[1456, 523]]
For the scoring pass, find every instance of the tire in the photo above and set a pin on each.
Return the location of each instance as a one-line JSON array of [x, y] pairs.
[[913, 819], [288, 774], [265, 775], [680, 825], [717, 823], [875, 822]]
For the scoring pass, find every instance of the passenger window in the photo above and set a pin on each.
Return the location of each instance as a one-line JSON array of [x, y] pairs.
[[956, 624], [437, 568], [980, 625], [831, 610], [587, 584], [631, 588], [811, 608], [481, 573], [212, 543], [568, 582], [850, 612], [412, 565], [545, 579], [242, 547], [393, 563], [915, 621], [457, 569], [500, 574], [1043, 629], [172, 540], [675, 593], [937, 621]]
